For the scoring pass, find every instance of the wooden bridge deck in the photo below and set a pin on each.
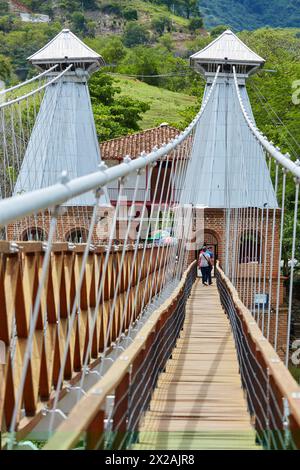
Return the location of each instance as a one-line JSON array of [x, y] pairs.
[[199, 402]]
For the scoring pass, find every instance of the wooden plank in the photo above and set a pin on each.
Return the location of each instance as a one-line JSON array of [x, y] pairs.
[[199, 402]]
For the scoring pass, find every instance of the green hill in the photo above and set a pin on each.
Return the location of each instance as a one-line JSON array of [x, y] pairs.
[[165, 105], [251, 14]]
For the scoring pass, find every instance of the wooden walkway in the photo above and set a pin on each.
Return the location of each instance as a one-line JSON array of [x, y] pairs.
[[199, 402]]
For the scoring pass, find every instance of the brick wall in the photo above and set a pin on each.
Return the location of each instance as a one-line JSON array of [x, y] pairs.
[[211, 223], [208, 224]]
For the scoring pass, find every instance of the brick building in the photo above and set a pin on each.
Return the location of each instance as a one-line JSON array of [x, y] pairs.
[[229, 173]]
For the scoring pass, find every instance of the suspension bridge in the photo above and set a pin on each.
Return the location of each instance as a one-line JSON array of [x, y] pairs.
[[108, 339]]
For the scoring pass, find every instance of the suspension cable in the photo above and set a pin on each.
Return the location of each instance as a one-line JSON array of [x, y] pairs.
[[20, 85], [284, 160], [34, 92], [26, 204]]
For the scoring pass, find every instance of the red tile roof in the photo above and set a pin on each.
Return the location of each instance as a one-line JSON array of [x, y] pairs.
[[20, 7], [133, 145]]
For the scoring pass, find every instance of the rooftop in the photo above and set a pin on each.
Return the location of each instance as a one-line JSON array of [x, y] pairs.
[[18, 7], [65, 47], [230, 48], [133, 145]]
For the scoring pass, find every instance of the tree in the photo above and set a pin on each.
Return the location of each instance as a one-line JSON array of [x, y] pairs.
[[161, 24], [130, 14], [195, 23], [135, 34], [102, 89], [190, 7], [114, 50], [167, 42], [3, 7], [78, 21], [142, 61], [114, 115], [218, 30], [5, 68], [90, 4], [6, 23]]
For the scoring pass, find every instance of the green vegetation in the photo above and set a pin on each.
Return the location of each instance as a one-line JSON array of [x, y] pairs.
[[165, 105], [271, 95], [135, 34], [251, 14], [114, 115]]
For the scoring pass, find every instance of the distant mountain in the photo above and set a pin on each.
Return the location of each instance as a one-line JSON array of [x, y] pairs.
[[251, 14]]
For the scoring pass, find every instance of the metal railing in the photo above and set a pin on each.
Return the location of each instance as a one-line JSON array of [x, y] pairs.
[[130, 381], [273, 396], [16, 207]]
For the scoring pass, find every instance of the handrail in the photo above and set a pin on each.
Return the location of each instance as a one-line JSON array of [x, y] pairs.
[[70, 431], [283, 160], [16, 207], [281, 376], [31, 93], [33, 79]]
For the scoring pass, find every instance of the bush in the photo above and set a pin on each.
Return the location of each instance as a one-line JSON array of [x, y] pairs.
[[161, 24], [3, 7], [130, 14], [135, 34], [215, 32], [195, 23], [78, 21], [111, 9]]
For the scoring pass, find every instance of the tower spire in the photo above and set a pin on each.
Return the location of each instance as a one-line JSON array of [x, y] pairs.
[[65, 49], [227, 160], [64, 137], [227, 51]]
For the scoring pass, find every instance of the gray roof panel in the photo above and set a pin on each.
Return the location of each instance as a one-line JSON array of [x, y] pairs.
[[65, 46], [228, 46], [63, 139], [228, 167]]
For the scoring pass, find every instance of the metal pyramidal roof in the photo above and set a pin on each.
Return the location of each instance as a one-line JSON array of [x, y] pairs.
[[64, 137], [228, 47], [66, 47], [228, 166]]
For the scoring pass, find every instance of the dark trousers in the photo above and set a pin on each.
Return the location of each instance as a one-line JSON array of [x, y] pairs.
[[206, 274], [210, 275]]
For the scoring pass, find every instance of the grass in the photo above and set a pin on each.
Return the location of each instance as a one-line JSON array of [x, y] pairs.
[[149, 11], [165, 105], [153, 10]]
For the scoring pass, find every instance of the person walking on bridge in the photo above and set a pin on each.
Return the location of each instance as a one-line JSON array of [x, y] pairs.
[[205, 265]]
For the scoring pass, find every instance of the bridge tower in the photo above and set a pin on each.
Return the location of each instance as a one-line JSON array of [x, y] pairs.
[[234, 186], [63, 140]]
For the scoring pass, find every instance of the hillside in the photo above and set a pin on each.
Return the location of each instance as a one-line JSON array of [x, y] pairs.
[[165, 105], [251, 14], [111, 16]]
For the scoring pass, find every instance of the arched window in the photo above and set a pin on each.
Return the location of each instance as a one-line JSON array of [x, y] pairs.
[[77, 235], [34, 234], [250, 248], [2, 233]]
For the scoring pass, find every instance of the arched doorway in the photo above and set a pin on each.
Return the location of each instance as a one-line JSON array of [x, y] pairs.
[[250, 248], [77, 235], [34, 234], [212, 244]]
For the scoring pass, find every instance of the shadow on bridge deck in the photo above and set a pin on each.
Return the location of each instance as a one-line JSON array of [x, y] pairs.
[[199, 402]]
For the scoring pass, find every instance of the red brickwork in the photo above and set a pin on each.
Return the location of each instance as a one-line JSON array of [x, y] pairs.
[[210, 224]]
